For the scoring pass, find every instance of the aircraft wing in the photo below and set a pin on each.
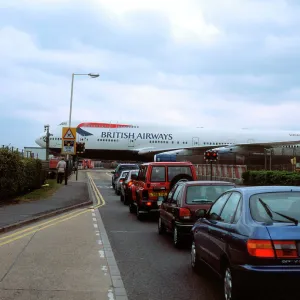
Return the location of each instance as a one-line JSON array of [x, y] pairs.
[[241, 146]]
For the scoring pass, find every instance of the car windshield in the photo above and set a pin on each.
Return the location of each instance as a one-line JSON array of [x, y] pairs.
[[173, 171], [284, 203], [205, 193], [128, 167]]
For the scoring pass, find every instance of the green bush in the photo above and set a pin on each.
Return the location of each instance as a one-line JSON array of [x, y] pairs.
[[18, 175], [270, 178]]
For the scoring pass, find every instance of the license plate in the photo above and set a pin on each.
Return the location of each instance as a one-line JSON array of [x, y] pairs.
[[161, 194]]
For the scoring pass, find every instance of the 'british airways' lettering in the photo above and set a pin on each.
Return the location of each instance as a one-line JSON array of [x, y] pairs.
[[140, 136]]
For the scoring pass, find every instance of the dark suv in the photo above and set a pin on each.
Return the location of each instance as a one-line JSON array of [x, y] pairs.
[[121, 167]]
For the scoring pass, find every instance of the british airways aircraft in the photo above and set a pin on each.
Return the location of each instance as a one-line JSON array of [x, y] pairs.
[[125, 141]]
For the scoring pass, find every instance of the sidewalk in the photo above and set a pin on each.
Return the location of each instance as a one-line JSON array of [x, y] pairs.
[[76, 192], [62, 262]]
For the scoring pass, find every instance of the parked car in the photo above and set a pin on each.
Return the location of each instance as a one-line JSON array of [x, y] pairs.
[[119, 181], [251, 238], [177, 211], [121, 167], [126, 186], [154, 181]]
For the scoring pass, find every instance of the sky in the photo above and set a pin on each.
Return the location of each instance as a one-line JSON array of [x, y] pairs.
[[216, 63]]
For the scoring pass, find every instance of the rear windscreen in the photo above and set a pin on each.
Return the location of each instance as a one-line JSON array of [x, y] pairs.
[[128, 167], [205, 193], [158, 174], [286, 203]]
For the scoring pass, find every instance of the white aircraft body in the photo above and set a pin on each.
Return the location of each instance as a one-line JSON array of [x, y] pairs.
[[116, 141]]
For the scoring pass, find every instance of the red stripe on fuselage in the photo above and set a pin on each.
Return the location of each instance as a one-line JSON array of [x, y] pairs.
[[102, 125]]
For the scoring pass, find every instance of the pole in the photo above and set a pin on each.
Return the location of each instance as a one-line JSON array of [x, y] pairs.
[[211, 163], [70, 116], [47, 141]]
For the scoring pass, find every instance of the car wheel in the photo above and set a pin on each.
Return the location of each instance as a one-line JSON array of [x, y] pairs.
[[230, 285], [131, 208], [176, 237], [161, 226], [195, 262], [125, 201], [121, 198]]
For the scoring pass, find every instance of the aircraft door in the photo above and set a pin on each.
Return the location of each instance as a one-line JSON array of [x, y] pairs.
[[131, 142], [114, 126], [195, 141]]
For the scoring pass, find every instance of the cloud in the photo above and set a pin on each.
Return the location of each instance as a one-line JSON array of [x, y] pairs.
[[191, 63]]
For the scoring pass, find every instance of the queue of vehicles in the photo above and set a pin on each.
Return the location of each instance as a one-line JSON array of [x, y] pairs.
[[249, 236]]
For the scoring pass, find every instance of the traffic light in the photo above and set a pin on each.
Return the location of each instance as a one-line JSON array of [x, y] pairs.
[[80, 147], [210, 155]]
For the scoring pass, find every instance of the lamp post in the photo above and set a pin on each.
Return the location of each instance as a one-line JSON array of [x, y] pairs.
[[92, 75]]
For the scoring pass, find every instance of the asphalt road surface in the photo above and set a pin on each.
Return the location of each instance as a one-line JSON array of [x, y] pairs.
[[151, 267]]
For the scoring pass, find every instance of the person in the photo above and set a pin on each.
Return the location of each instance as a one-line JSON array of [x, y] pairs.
[[61, 168]]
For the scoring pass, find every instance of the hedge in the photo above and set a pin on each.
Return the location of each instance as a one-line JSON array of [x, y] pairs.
[[271, 178], [18, 175]]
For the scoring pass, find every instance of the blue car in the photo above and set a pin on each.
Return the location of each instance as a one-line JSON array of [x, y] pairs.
[[251, 238]]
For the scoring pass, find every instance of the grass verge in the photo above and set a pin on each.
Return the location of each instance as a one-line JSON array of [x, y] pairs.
[[44, 192]]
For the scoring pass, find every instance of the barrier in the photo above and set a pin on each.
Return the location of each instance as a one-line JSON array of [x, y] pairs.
[[232, 173]]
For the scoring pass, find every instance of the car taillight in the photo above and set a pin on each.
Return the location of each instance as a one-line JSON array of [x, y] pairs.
[[265, 249], [184, 213], [129, 183], [261, 248], [121, 180], [285, 249]]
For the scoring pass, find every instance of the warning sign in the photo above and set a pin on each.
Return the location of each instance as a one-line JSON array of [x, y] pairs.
[[69, 133], [68, 147]]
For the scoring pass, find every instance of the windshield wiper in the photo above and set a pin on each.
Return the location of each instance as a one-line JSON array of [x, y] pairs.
[[201, 200], [269, 212]]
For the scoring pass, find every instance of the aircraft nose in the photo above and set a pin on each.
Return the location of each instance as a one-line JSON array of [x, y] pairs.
[[38, 141]]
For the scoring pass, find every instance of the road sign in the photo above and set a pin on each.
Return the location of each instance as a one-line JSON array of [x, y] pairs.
[[69, 133], [69, 147]]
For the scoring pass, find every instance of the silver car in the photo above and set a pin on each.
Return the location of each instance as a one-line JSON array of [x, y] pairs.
[[119, 180]]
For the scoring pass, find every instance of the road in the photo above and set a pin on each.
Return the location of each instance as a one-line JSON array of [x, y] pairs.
[[150, 266]]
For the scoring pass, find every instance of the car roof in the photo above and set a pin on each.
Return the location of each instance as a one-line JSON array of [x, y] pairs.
[[252, 190], [207, 182], [168, 163]]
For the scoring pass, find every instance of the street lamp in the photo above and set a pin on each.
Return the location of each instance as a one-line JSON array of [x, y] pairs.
[[92, 75]]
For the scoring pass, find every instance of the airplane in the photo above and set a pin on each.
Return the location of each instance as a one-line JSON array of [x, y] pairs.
[[145, 142]]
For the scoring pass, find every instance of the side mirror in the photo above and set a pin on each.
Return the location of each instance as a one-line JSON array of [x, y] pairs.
[[113, 172], [201, 213], [134, 177]]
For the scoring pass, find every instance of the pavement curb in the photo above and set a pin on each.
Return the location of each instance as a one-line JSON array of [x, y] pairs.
[[114, 272], [44, 216]]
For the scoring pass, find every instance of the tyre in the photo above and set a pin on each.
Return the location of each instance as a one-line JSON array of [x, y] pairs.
[[231, 288], [131, 208], [177, 240], [161, 226], [195, 261], [121, 198], [180, 177], [138, 214]]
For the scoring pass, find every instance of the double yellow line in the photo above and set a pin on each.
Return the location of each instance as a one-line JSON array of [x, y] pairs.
[[30, 230]]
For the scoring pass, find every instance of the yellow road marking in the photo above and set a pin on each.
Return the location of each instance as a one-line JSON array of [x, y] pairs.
[[18, 235]]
